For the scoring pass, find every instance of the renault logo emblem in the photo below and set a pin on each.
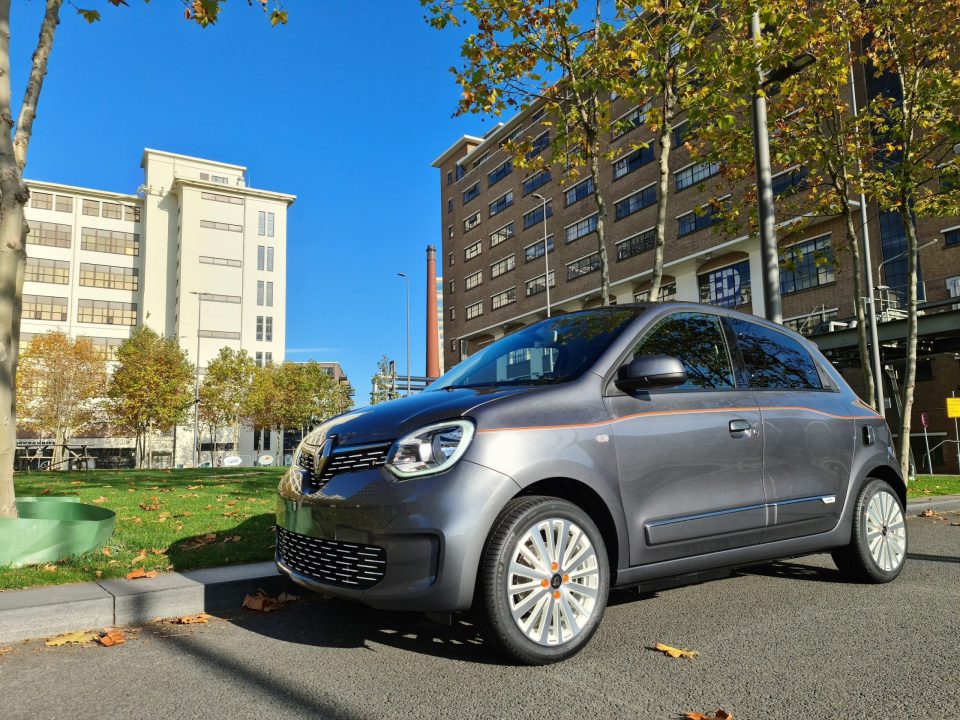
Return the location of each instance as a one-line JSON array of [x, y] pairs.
[[322, 457]]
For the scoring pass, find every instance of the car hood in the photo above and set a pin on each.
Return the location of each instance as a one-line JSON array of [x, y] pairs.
[[390, 420]]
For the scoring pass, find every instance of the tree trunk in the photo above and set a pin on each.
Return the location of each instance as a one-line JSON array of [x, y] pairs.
[[910, 370], [866, 366], [601, 231], [664, 142]]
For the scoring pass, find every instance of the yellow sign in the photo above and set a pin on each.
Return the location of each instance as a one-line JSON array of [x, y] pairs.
[[953, 407]]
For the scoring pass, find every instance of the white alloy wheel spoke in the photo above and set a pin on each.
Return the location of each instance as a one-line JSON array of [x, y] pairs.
[[552, 607]]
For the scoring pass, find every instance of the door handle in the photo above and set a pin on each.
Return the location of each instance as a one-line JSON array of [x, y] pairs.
[[740, 426]]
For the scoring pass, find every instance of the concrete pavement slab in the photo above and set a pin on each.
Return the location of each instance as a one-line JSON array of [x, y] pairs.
[[50, 610]]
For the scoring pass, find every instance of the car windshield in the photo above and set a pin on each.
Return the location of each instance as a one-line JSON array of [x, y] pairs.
[[553, 351]]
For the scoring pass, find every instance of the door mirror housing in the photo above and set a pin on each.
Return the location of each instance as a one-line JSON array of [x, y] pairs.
[[651, 371]]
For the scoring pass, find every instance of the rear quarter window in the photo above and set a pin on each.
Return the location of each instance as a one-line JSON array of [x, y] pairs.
[[774, 360]]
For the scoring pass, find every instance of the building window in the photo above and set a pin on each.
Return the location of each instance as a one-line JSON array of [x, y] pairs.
[[726, 287], [261, 223], [460, 171], [629, 120], [109, 241], [219, 334], [260, 291], [111, 210], [893, 244], [131, 213], [697, 220], [64, 203], [259, 362], [453, 345], [630, 162], [212, 225], [471, 281], [91, 207], [501, 203], [504, 266], [471, 192], [507, 297], [582, 227], [108, 276], [213, 297], [219, 197], [668, 293], [579, 191], [453, 286], [539, 285], [220, 179], [450, 259], [789, 182], [44, 307], [681, 133], [106, 312], [261, 257], [449, 232], [806, 265], [41, 200], [535, 181], [226, 262], [583, 266], [49, 234], [540, 143], [636, 202], [453, 313], [471, 222], [449, 205], [480, 160], [504, 233], [636, 245], [105, 347], [449, 177], [260, 328], [535, 216], [269, 259], [269, 294], [951, 237], [693, 174], [475, 310], [473, 250], [534, 251], [47, 271]]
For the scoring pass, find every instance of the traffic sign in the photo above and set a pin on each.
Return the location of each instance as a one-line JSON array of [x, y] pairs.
[[953, 407], [925, 420]]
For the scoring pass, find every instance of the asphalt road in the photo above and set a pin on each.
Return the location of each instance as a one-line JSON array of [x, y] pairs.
[[783, 640]]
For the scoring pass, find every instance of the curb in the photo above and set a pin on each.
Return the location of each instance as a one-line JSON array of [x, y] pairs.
[[45, 611], [934, 502]]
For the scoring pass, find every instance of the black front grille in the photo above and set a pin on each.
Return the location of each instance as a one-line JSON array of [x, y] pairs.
[[341, 461], [332, 562]]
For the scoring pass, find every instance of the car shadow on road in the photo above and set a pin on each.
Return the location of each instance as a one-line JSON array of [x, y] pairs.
[[795, 571], [933, 558], [330, 623]]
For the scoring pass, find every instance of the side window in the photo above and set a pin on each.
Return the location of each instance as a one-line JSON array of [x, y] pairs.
[[696, 340], [774, 360]]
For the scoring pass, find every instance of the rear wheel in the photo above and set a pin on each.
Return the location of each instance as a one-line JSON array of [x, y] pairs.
[[878, 542], [543, 582]]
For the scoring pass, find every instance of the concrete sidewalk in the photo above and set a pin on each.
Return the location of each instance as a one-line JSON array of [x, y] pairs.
[[46, 611]]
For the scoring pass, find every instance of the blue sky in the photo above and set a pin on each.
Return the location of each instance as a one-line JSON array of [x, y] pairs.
[[348, 95]]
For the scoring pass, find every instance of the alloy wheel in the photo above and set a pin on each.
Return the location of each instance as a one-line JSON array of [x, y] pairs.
[[886, 532]]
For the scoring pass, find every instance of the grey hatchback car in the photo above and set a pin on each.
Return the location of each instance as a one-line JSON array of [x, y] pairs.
[[599, 449]]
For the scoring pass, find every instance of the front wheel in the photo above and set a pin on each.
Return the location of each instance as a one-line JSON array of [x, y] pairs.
[[543, 581], [878, 543]]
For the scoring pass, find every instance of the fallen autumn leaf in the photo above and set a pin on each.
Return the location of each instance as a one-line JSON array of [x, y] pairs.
[[676, 652], [141, 573], [112, 637], [77, 638], [718, 715], [191, 619]]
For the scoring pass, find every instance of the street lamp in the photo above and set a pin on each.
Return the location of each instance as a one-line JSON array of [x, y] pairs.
[[196, 383], [546, 253], [900, 255], [761, 146], [406, 277]]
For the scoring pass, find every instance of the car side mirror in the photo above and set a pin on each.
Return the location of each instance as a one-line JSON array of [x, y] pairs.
[[651, 371]]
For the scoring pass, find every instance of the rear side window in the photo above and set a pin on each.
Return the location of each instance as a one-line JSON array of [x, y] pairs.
[[696, 340], [773, 360]]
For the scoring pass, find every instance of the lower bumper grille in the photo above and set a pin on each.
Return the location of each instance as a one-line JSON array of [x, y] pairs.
[[332, 562]]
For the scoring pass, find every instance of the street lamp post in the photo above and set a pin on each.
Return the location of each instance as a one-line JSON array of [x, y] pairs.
[[898, 256], [772, 302], [407, 278], [196, 385], [546, 251]]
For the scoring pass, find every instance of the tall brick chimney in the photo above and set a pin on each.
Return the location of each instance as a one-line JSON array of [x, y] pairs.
[[433, 342]]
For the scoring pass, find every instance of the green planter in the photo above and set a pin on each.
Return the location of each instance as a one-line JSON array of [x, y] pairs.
[[52, 528]]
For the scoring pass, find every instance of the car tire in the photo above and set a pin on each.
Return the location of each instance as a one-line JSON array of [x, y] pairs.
[[533, 613], [878, 541]]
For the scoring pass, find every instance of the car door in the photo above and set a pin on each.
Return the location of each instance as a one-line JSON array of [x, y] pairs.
[[689, 457], [808, 434]]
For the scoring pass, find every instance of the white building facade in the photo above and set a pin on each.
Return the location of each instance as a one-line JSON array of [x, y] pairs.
[[195, 254]]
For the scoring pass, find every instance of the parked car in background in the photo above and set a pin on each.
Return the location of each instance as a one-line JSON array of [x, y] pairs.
[[604, 448]]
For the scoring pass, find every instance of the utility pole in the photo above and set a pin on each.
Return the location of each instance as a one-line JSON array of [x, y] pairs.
[[407, 278]]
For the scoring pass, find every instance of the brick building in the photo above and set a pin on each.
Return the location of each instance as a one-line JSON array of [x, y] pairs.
[[493, 265]]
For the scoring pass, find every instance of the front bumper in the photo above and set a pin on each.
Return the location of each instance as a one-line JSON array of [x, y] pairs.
[[431, 531]]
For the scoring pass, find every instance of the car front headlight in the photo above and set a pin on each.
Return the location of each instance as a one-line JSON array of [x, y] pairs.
[[431, 449]]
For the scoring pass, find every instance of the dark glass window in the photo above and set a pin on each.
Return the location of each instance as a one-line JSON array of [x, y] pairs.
[[696, 340], [693, 221], [893, 246], [726, 287], [636, 202], [636, 245], [535, 181], [628, 163], [552, 351], [536, 215], [499, 173], [774, 360], [471, 192], [806, 265], [951, 237], [579, 191], [539, 145], [790, 182]]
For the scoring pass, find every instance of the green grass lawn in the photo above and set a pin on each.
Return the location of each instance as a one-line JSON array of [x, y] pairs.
[[180, 519], [928, 485]]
